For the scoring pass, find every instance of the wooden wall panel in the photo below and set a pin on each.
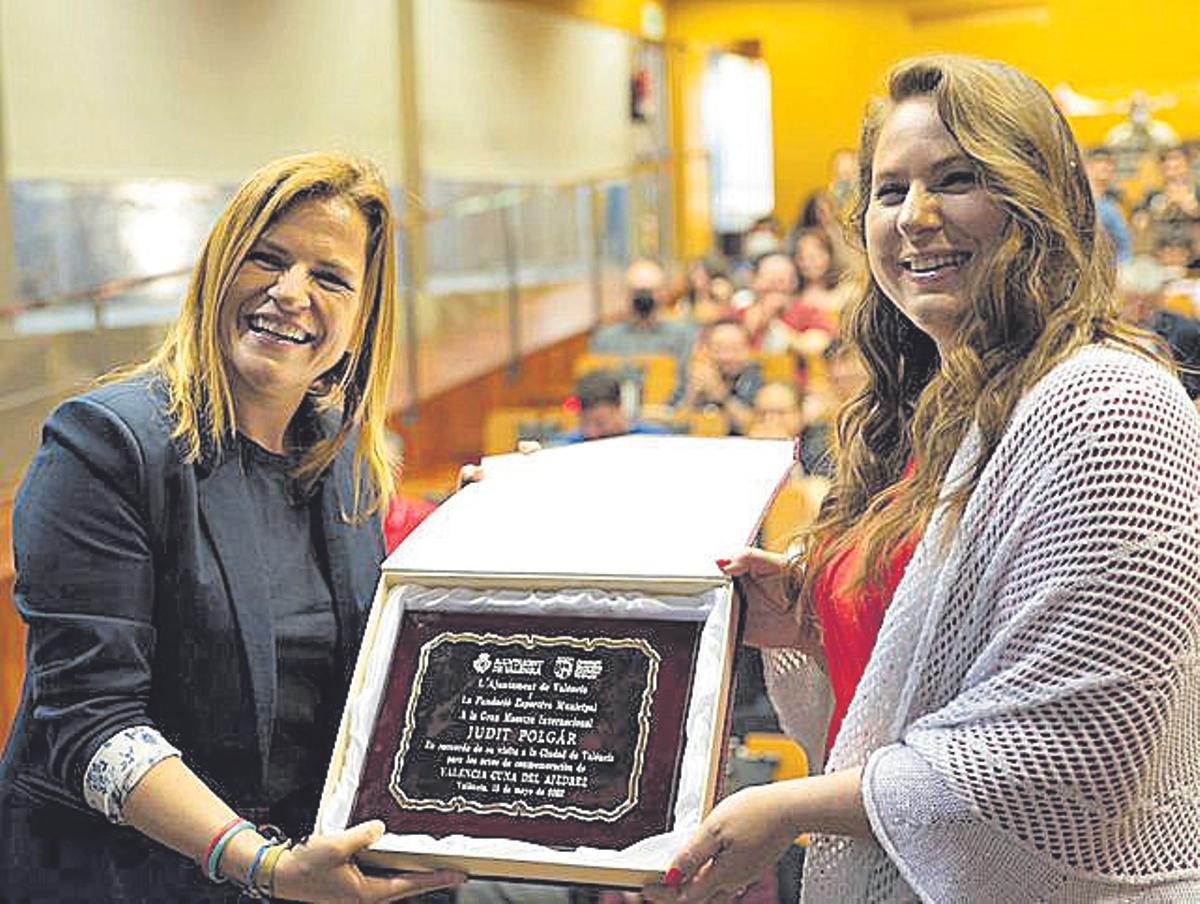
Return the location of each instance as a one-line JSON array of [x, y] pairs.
[[448, 428]]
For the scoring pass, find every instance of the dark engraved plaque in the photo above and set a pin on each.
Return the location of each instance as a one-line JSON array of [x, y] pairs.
[[557, 730]]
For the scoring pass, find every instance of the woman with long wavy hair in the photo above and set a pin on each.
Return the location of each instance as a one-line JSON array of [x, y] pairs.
[[1003, 584], [196, 544]]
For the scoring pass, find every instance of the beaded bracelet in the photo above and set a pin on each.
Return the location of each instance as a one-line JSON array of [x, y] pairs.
[[217, 847]]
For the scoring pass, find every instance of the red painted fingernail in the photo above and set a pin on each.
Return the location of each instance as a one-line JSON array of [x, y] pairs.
[[723, 563], [673, 879]]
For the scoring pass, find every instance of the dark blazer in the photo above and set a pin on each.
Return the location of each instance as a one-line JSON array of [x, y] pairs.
[[145, 594]]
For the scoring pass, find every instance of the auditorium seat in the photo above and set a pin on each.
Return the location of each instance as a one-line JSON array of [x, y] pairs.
[[658, 373]]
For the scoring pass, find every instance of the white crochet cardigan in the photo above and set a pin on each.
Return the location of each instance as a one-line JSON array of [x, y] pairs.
[[1030, 719]]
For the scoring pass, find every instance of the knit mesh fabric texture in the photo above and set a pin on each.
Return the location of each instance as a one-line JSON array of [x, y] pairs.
[[1029, 722]]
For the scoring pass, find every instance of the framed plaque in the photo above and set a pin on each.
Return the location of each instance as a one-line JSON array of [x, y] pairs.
[[562, 731], [543, 685]]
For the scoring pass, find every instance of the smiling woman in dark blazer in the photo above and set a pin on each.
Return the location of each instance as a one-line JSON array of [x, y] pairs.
[[196, 542]]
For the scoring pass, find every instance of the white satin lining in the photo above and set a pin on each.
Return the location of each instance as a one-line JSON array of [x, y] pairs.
[[650, 853]]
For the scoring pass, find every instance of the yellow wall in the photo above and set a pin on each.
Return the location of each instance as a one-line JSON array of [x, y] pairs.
[[826, 58], [1102, 48], [623, 14]]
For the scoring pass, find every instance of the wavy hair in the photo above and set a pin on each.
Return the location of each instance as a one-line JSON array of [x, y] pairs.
[[194, 370], [1046, 292]]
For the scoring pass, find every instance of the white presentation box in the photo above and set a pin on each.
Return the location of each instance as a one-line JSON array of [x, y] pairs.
[[543, 687]]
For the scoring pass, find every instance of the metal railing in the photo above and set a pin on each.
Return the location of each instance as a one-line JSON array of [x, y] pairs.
[[495, 244]]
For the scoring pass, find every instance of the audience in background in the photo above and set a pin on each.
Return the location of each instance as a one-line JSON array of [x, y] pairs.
[[772, 293], [708, 291], [1181, 336], [843, 167], [813, 314], [644, 331], [1144, 288], [603, 410], [1140, 132], [817, 211], [724, 376], [763, 237], [1175, 251], [777, 412], [845, 377], [1101, 170], [825, 209], [721, 290], [1176, 204]]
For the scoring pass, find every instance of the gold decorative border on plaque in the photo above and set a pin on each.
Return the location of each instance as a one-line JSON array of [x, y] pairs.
[[520, 808]]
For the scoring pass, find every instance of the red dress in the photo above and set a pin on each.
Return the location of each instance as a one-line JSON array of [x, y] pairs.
[[850, 615], [403, 515]]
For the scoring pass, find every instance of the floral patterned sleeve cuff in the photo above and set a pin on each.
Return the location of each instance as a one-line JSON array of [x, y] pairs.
[[119, 765]]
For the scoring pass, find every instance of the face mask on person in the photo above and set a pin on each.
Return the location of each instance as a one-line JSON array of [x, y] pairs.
[[643, 303]]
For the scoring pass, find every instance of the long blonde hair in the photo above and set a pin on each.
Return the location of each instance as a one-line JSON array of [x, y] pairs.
[[194, 370], [1046, 292]]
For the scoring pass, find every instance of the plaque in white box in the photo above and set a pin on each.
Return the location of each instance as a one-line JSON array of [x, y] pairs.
[[542, 690]]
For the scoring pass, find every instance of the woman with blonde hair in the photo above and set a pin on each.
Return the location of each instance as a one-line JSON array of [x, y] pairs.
[[196, 544], [1015, 512]]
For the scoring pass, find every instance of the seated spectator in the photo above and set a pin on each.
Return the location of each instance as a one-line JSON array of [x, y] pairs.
[[644, 332], [843, 173], [763, 237], [1101, 171], [773, 290], [1175, 251], [1176, 205], [819, 211], [721, 290], [777, 412], [708, 291], [724, 376], [813, 315], [1140, 131], [845, 378], [1140, 286], [1181, 335], [601, 410]]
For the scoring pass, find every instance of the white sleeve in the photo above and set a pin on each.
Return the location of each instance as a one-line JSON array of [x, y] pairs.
[[1060, 746], [119, 764], [798, 688]]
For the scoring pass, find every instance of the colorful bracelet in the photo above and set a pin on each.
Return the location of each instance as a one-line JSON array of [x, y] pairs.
[[266, 884], [203, 861], [253, 887], [250, 886], [217, 847]]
